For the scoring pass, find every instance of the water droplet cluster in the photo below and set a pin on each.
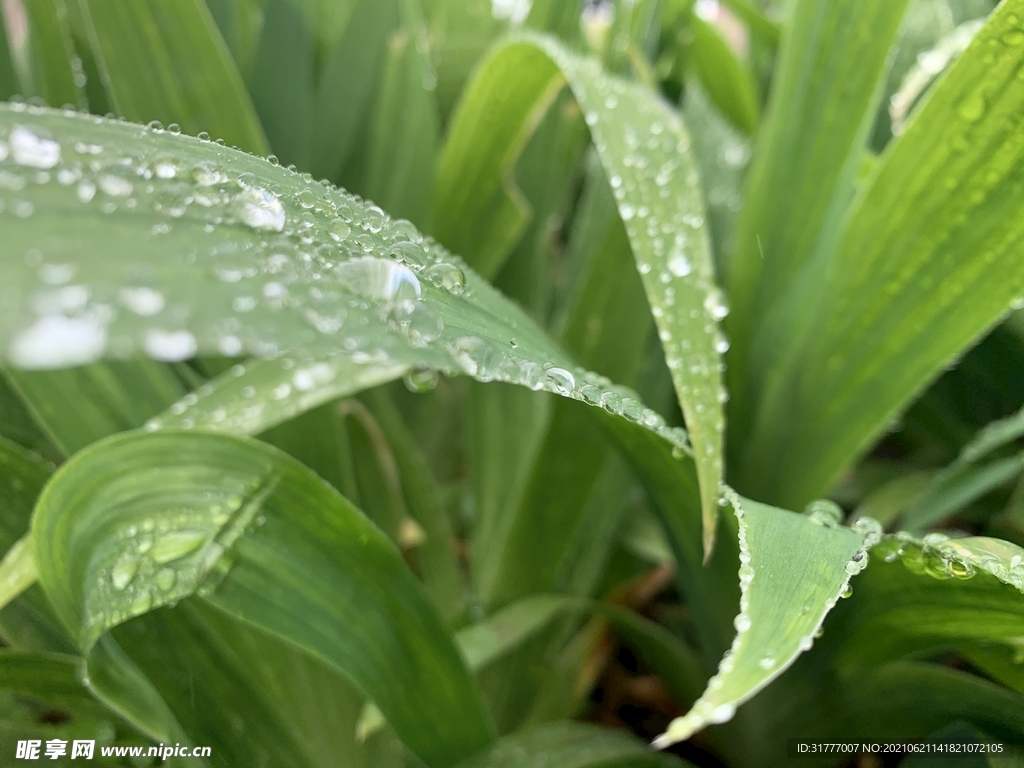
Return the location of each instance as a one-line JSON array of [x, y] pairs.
[[942, 557], [158, 558], [645, 149], [224, 253]]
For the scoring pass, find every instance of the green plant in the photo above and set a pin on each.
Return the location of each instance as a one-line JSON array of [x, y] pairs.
[[226, 522]]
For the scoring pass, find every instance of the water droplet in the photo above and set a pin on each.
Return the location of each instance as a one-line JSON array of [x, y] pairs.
[[306, 379], [85, 191], [847, 589], [742, 622], [339, 230], [612, 402], [768, 662], [259, 209], [824, 512], [715, 304], [380, 279], [29, 149], [679, 265], [563, 381], [722, 713], [166, 168], [176, 544], [412, 254], [206, 173], [115, 182], [169, 346], [55, 341], [142, 603], [1014, 37], [869, 528], [476, 357], [142, 301], [972, 108], [165, 578], [374, 219], [447, 276], [415, 321], [420, 380], [123, 571]]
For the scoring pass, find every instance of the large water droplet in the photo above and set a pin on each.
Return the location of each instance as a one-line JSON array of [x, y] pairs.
[[176, 544], [415, 321], [29, 149], [421, 380], [715, 304], [55, 341], [169, 346], [123, 571], [824, 512], [447, 276], [165, 578], [142, 301], [379, 279], [972, 108], [679, 265], [259, 209], [563, 381]]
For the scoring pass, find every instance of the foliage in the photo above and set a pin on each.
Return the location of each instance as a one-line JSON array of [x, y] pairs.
[[283, 475]]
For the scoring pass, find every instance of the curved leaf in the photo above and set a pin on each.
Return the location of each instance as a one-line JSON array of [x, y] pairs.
[[929, 595], [208, 250], [793, 570], [141, 521], [644, 149]]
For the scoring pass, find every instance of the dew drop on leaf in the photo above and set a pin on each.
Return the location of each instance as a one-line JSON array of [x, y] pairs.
[[420, 380], [55, 341], [447, 276], [123, 571], [259, 209], [33, 151], [175, 545], [379, 279]]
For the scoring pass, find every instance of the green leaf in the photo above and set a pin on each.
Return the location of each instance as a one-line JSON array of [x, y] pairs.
[[259, 394], [169, 63], [570, 745], [792, 572], [479, 211], [28, 622], [914, 313], [930, 65], [263, 272], [822, 105], [144, 520], [78, 406], [512, 627], [728, 81], [17, 571], [350, 78], [405, 124], [930, 595], [644, 150], [42, 52], [722, 155], [896, 306]]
